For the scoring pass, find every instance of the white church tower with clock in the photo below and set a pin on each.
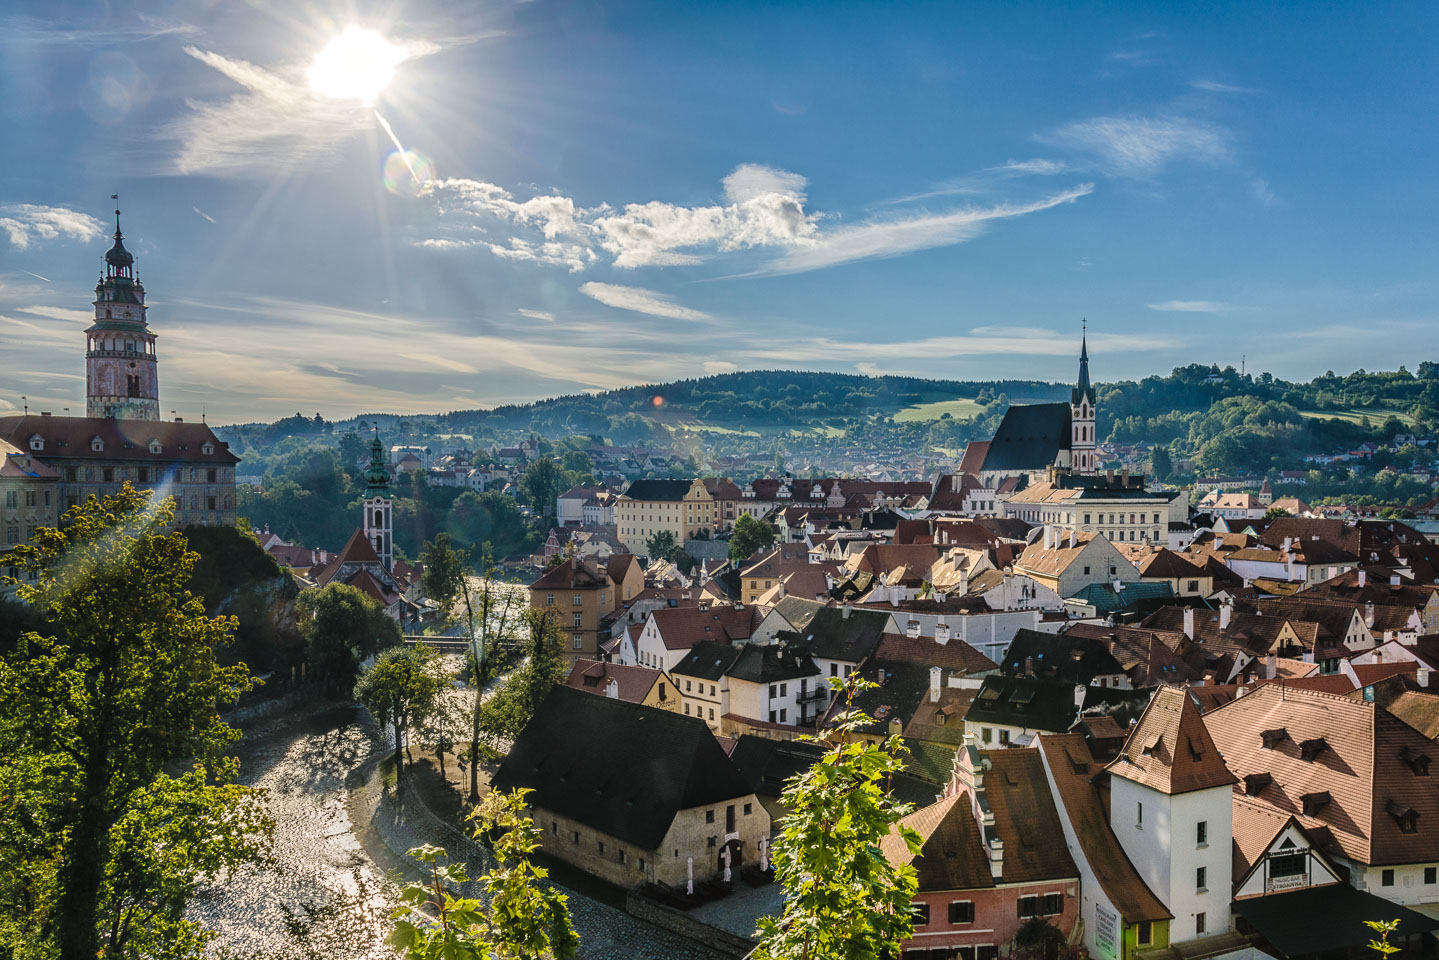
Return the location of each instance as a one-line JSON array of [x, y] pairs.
[[121, 376]]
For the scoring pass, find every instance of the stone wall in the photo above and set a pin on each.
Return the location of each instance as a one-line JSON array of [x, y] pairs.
[[673, 920]]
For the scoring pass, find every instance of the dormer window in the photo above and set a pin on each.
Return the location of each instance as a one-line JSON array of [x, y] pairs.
[[207, 448], [1315, 802], [1309, 750], [1255, 783], [1418, 762], [1406, 817], [37, 442], [97, 445], [1273, 738], [155, 445]]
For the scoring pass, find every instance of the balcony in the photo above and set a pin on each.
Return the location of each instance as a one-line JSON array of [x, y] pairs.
[[813, 696]]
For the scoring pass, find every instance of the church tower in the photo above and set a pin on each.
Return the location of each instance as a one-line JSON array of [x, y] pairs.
[[1083, 457], [121, 381], [378, 519]]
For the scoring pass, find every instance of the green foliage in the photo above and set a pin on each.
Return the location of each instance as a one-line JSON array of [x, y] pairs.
[[444, 573], [1384, 928], [1274, 512], [505, 714], [402, 688], [235, 576], [661, 545], [543, 481], [843, 899], [1037, 938], [342, 627], [1160, 463], [750, 535], [524, 919], [104, 836]]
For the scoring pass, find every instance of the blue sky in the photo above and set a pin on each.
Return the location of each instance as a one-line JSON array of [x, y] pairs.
[[613, 193]]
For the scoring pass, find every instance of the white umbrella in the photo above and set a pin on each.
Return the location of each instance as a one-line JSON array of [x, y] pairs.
[[690, 886], [726, 864]]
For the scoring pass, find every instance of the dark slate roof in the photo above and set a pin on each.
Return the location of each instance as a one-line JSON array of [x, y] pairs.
[[1073, 659], [833, 635], [1139, 597], [1287, 920], [771, 663], [616, 767], [1029, 437], [1024, 702], [658, 489], [768, 765], [708, 660]]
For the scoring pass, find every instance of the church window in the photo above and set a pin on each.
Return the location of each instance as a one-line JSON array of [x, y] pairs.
[[132, 383], [378, 521]]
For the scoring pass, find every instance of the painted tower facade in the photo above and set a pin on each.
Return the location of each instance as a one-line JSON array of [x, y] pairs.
[[379, 517], [1084, 458], [121, 376]]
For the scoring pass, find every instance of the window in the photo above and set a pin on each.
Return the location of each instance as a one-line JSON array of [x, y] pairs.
[[1429, 874], [579, 620], [1086, 571], [687, 686], [773, 691], [709, 816], [712, 689], [554, 828], [549, 599], [577, 836], [961, 911], [1199, 923], [210, 476], [576, 601], [920, 909], [784, 689], [1200, 876], [710, 842], [784, 715], [749, 808], [687, 709], [1051, 904], [1139, 816], [1144, 933], [1004, 738], [1201, 833], [1289, 865], [622, 856], [1386, 879], [210, 503], [1028, 907], [662, 692], [602, 846], [107, 474], [579, 642], [143, 474], [712, 713]]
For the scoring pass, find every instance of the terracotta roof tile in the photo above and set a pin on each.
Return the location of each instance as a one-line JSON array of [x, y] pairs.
[[1170, 749], [632, 683]]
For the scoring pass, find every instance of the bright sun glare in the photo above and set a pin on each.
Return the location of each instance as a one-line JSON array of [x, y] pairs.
[[356, 65]]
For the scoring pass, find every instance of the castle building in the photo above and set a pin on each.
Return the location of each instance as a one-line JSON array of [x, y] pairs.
[[122, 438]]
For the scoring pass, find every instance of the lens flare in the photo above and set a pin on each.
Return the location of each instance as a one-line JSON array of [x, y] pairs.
[[658, 400], [405, 174]]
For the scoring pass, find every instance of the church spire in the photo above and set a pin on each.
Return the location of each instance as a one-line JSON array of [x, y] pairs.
[[1083, 390]]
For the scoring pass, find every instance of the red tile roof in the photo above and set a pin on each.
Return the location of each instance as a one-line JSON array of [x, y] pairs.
[[70, 437], [1170, 749], [632, 683]]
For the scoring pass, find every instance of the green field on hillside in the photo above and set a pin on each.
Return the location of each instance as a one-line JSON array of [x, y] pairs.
[[959, 409], [1376, 415]]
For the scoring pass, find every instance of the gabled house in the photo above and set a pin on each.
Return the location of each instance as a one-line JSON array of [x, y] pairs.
[[1068, 561], [642, 685], [670, 632], [1010, 711]]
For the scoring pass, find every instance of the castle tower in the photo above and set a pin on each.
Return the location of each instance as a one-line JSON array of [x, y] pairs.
[[121, 380], [1083, 457], [378, 518]]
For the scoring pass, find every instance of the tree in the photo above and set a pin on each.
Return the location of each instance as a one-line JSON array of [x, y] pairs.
[[401, 689], [524, 918], [1274, 512], [495, 631], [749, 536], [661, 545], [843, 899], [342, 627], [444, 573], [1160, 463], [542, 483], [508, 711], [1384, 928], [103, 844]]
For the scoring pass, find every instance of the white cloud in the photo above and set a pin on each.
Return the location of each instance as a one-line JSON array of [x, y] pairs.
[[1141, 146], [536, 314], [640, 300], [1260, 190], [1215, 86], [715, 367], [1192, 306], [60, 313], [891, 238], [203, 214], [25, 223], [442, 363], [750, 180]]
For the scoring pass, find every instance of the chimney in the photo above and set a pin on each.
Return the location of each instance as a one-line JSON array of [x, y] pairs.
[[936, 680], [1125, 474], [880, 676], [911, 629], [1363, 578], [1189, 622], [996, 858], [1271, 666], [1226, 610], [1048, 538], [1079, 691], [612, 689], [1394, 580], [1073, 539], [1029, 666], [1422, 677], [895, 727], [845, 611], [941, 632], [1369, 615]]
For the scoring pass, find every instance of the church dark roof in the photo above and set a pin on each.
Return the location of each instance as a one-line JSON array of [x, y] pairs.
[[620, 768], [1083, 389], [117, 255], [1029, 437]]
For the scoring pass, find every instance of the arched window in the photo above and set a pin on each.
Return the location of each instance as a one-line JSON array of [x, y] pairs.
[[379, 521]]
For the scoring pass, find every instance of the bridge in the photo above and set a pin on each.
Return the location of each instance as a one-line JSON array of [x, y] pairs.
[[442, 644]]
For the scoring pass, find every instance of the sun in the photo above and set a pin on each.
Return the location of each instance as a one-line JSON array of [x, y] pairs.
[[356, 65]]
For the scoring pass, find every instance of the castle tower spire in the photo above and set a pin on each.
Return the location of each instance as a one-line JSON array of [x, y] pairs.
[[121, 375], [1083, 458], [378, 521]]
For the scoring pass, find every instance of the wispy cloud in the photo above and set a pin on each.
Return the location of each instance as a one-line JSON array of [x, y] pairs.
[[1260, 190], [640, 300], [979, 342], [714, 367], [27, 223], [117, 31], [1192, 306], [203, 214], [60, 313], [1136, 146], [1215, 86], [894, 237], [536, 314]]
